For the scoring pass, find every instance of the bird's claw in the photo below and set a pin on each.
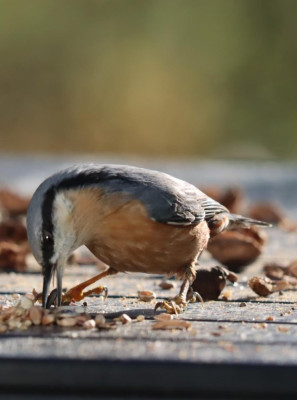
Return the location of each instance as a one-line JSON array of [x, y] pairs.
[[174, 306], [195, 298], [178, 304]]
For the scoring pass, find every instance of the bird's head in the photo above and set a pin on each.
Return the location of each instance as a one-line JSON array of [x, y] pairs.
[[51, 231]]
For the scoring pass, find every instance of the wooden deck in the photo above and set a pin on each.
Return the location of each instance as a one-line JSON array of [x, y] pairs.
[[232, 351]]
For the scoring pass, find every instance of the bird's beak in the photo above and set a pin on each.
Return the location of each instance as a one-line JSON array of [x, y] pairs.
[[59, 273], [48, 272], [47, 278]]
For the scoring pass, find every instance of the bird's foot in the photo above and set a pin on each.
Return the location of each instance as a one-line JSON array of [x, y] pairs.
[[194, 297], [175, 306], [178, 304], [76, 294]]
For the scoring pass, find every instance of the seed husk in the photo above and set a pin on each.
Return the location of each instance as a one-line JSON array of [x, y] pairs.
[[163, 317], [171, 324], [167, 285], [146, 295]]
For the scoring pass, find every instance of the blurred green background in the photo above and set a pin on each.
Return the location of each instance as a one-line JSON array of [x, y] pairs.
[[205, 78]]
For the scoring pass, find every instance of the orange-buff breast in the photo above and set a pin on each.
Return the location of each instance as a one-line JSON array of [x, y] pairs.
[[120, 233]]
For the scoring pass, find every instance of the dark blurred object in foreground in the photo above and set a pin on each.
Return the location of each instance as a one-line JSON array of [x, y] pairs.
[[210, 281]]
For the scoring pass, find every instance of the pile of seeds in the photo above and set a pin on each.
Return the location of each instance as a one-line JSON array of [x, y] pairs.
[[25, 313]]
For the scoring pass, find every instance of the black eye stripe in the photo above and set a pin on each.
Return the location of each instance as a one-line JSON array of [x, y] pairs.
[[47, 238]]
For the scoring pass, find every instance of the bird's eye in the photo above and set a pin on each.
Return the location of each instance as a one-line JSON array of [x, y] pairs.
[[47, 238]]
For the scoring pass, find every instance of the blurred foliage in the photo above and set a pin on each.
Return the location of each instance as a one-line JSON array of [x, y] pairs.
[[154, 77]]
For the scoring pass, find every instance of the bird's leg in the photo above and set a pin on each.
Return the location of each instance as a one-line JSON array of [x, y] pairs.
[[76, 293], [178, 303]]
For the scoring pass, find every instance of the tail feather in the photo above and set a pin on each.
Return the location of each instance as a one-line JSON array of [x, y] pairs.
[[244, 222]]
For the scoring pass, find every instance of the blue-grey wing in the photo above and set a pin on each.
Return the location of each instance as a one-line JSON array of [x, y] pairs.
[[167, 199]]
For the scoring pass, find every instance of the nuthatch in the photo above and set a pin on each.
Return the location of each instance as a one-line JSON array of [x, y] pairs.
[[132, 219]]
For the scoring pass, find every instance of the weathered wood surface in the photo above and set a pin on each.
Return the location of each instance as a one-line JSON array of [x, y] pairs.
[[231, 350]]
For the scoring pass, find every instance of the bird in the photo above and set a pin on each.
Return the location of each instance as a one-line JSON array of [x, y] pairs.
[[131, 218]]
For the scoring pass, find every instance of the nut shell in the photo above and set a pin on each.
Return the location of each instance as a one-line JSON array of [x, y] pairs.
[[237, 248]]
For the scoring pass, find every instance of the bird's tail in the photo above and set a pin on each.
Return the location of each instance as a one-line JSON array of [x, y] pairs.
[[238, 221]]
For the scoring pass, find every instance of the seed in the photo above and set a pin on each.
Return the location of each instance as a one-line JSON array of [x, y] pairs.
[[48, 319], [167, 285], [14, 324], [146, 295], [124, 319], [16, 296], [100, 320], [81, 319], [26, 303], [227, 295], [140, 318], [27, 323], [270, 318], [89, 324], [66, 321], [35, 314]]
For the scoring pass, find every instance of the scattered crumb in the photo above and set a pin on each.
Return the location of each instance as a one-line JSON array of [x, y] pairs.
[[270, 318]]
